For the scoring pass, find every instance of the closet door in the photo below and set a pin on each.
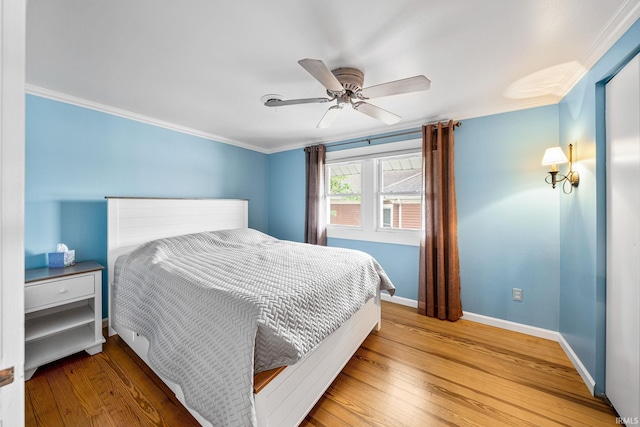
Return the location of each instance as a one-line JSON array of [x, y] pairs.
[[623, 241]]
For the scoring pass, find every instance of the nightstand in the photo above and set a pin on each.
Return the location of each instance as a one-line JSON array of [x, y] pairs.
[[63, 313]]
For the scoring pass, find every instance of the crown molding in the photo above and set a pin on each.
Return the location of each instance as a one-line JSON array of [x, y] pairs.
[[618, 24], [84, 103]]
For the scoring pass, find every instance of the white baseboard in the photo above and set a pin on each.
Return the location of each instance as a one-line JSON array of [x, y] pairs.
[[584, 374], [399, 300], [517, 327], [512, 326]]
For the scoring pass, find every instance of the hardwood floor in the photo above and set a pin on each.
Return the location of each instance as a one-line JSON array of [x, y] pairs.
[[415, 372]]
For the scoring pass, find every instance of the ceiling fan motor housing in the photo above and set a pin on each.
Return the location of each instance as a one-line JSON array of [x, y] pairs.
[[350, 78]]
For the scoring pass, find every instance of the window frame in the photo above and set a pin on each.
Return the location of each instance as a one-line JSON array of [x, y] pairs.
[[370, 207]]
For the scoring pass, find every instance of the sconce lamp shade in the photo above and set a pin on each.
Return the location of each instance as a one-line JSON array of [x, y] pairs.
[[554, 156]]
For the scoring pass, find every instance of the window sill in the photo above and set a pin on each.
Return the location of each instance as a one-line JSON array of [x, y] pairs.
[[397, 237]]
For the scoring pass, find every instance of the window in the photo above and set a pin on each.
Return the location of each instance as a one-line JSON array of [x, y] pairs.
[[375, 196]]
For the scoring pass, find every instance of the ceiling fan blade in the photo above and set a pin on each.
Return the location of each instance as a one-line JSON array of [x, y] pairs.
[[377, 113], [328, 118], [397, 87], [282, 102], [317, 69]]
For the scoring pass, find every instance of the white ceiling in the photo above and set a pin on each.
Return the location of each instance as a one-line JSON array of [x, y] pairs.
[[202, 66]]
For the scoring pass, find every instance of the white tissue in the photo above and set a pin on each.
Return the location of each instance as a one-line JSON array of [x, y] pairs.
[[69, 255]]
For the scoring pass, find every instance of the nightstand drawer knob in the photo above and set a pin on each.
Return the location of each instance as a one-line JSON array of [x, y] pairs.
[[62, 291]]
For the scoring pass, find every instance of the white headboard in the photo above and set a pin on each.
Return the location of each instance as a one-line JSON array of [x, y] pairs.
[[132, 221]]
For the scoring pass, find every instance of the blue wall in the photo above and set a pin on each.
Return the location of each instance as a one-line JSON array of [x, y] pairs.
[[400, 262], [508, 217], [582, 216], [77, 156], [287, 195]]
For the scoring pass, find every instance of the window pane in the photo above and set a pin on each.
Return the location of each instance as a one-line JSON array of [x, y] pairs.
[[344, 211], [400, 212], [344, 193], [345, 178], [401, 174]]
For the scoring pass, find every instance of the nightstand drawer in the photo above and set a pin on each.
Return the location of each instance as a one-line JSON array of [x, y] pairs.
[[58, 291]]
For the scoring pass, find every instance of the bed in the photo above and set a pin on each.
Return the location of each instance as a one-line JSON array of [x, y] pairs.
[[134, 227]]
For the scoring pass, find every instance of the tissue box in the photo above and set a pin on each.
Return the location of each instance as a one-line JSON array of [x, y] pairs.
[[69, 257], [62, 259], [56, 259]]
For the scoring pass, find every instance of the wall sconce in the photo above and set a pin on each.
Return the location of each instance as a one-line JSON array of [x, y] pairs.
[[555, 156]]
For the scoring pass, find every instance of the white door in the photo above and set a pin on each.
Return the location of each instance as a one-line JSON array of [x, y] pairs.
[[12, 54], [623, 242]]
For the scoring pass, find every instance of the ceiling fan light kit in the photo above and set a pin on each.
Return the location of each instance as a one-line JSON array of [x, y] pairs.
[[344, 85], [330, 115]]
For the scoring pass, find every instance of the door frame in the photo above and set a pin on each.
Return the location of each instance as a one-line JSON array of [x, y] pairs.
[[12, 171]]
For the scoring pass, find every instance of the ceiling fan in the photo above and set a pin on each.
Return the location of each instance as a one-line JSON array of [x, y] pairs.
[[344, 85]]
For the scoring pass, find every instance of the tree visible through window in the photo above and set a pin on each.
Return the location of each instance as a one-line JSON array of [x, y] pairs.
[[345, 194]]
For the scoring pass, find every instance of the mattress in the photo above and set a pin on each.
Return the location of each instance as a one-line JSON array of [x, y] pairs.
[[219, 307]]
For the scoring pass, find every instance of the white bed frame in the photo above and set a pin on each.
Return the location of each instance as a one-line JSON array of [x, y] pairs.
[[289, 397]]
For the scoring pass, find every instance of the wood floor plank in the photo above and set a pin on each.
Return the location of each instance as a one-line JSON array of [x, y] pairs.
[[30, 415], [42, 400], [342, 412], [545, 387], [411, 378], [481, 333], [175, 413], [422, 402], [176, 410], [87, 377], [415, 371], [66, 398], [122, 400], [145, 393], [322, 417], [524, 368]]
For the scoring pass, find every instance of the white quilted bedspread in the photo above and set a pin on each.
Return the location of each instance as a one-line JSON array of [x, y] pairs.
[[219, 306]]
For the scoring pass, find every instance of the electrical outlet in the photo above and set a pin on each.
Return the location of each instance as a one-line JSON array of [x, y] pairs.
[[517, 294]]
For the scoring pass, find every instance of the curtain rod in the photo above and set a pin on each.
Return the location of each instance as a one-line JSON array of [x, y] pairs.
[[368, 140]]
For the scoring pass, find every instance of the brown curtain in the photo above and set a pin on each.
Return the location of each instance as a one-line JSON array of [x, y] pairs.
[[315, 223], [439, 287]]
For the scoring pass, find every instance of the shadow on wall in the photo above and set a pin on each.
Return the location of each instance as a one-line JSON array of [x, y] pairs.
[[81, 225]]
